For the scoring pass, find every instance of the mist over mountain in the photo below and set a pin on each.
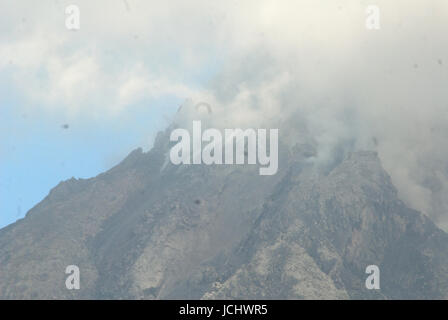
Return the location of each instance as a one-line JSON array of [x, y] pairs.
[[147, 229], [311, 61], [362, 175]]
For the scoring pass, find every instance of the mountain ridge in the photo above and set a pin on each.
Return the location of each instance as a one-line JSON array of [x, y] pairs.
[[147, 229]]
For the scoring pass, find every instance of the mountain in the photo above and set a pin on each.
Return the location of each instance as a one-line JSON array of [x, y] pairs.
[[147, 229]]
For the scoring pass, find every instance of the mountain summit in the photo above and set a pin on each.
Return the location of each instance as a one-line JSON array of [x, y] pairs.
[[147, 229]]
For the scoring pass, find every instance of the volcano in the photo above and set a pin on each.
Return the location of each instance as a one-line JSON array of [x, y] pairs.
[[148, 229]]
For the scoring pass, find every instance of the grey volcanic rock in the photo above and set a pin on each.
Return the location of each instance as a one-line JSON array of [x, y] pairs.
[[149, 230]]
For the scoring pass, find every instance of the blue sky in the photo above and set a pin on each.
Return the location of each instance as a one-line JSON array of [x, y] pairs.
[[37, 152], [115, 85]]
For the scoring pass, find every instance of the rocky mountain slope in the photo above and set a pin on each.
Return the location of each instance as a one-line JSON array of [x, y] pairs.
[[147, 229]]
